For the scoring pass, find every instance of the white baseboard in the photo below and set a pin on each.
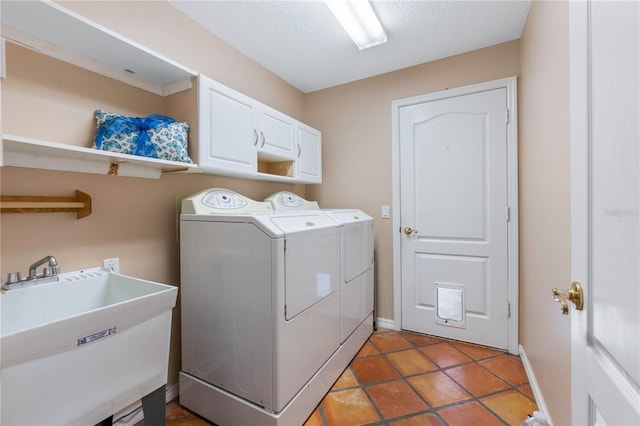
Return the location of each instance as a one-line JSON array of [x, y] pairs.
[[385, 323], [537, 394], [133, 413]]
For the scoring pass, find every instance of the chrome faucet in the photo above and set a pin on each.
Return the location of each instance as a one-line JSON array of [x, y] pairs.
[[48, 271], [49, 274]]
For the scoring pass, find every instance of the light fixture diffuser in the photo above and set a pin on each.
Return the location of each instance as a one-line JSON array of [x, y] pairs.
[[359, 21]]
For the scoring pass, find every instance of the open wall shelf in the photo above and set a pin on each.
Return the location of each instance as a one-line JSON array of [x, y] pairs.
[[34, 153], [36, 25]]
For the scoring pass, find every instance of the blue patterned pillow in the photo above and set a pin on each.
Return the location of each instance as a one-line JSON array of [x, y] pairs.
[[155, 136]]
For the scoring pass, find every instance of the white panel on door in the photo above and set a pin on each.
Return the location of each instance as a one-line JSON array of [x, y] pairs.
[[468, 271], [450, 176], [615, 202]]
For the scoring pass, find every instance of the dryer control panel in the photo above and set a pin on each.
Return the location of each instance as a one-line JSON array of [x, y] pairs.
[[285, 200], [223, 199], [218, 200]]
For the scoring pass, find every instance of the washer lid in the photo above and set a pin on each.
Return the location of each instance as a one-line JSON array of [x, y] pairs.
[[291, 223], [285, 200]]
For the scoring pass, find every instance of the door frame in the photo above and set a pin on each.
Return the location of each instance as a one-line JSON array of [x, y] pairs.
[[578, 85], [510, 83]]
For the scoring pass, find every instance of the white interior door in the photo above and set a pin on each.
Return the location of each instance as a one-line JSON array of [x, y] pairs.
[[454, 216], [605, 159]]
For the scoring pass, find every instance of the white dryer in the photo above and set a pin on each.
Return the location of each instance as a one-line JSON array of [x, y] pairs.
[[357, 260], [260, 301]]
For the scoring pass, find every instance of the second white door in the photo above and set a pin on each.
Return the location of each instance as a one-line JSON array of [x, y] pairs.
[[605, 217], [454, 217]]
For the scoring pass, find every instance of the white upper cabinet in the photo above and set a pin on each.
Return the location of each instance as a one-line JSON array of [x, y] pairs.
[[242, 137], [309, 161], [227, 136], [276, 133]]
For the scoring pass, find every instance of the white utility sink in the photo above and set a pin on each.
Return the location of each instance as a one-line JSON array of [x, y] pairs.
[[80, 349]]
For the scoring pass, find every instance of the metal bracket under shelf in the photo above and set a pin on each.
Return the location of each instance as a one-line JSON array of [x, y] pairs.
[[80, 204]]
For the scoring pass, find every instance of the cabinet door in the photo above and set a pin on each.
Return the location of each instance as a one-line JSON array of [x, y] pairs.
[[309, 161], [276, 133], [227, 129]]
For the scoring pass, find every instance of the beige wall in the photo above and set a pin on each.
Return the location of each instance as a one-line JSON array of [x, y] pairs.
[[355, 120], [133, 219], [545, 251]]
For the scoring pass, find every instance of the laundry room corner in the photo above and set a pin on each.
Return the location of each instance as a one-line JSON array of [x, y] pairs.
[[357, 148]]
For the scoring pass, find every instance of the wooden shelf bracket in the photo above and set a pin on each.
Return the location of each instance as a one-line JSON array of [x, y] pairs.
[[80, 204]]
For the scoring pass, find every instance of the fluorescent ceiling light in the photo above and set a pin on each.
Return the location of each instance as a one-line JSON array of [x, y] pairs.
[[359, 21]]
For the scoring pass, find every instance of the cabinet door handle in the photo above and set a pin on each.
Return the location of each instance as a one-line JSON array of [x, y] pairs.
[[299, 150], [263, 140], [255, 136]]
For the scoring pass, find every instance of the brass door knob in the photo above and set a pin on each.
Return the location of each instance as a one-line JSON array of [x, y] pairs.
[[409, 231], [574, 295]]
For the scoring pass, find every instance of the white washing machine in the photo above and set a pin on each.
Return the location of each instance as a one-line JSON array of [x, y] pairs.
[[260, 301], [357, 272]]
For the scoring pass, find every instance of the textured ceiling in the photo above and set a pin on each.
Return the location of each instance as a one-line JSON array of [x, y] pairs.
[[302, 42]]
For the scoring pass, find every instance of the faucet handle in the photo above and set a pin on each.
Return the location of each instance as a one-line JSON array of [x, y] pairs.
[[13, 277], [50, 271]]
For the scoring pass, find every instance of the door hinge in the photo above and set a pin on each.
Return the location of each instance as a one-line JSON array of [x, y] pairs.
[[508, 310], [508, 213], [506, 115]]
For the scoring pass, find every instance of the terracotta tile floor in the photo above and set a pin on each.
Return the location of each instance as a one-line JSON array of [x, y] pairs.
[[408, 379]]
